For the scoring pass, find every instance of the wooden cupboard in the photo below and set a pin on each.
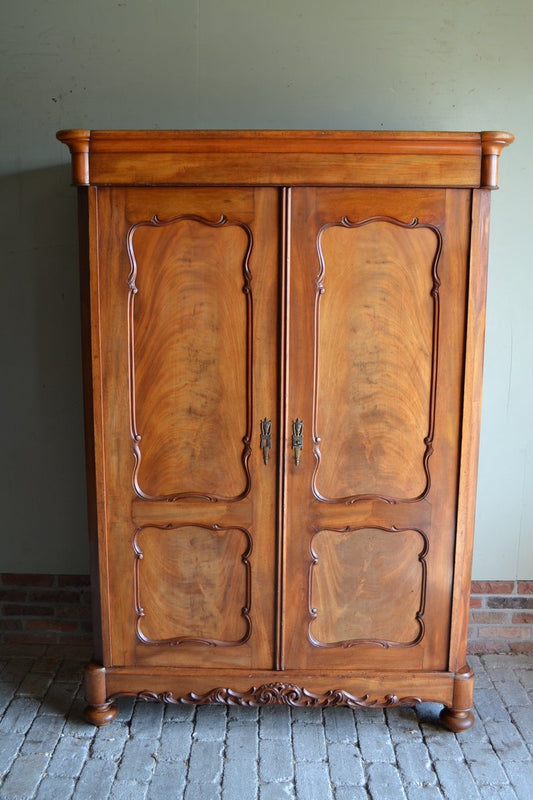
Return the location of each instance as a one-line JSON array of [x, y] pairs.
[[283, 353]]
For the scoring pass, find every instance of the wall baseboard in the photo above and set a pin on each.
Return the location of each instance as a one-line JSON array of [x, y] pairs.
[[56, 609]]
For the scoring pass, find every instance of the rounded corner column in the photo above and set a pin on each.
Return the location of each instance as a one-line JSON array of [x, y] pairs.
[[99, 710], [458, 716]]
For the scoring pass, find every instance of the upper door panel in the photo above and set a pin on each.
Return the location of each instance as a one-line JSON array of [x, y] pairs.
[[190, 338], [380, 315]]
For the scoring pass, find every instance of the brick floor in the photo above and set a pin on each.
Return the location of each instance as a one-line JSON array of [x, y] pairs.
[[47, 752]]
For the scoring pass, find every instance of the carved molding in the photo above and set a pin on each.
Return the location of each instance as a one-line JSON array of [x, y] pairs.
[[320, 289], [288, 694], [136, 436], [384, 643], [179, 640]]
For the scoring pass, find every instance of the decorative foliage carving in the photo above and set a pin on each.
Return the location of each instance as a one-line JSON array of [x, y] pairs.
[[384, 643], [136, 436], [320, 289], [178, 640], [278, 693]]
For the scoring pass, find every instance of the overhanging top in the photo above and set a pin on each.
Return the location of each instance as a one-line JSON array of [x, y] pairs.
[[259, 157]]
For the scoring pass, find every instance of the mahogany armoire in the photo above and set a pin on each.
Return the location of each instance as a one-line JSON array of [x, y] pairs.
[[283, 336]]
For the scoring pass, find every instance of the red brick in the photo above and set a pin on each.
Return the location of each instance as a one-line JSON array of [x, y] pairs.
[[482, 648], [521, 647], [26, 610], [75, 638], [489, 617], [13, 595], [503, 632], [30, 638], [476, 602], [492, 587], [54, 596], [14, 579], [85, 597], [515, 602], [10, 625], [523, 617], [73, 580], [50, 625], [525, 587], [72, 611]]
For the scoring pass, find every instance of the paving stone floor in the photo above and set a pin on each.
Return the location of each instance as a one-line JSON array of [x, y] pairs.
[[155, 752]]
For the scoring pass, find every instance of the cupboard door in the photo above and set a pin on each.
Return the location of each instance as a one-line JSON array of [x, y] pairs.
[[186, 286], [375, 363]]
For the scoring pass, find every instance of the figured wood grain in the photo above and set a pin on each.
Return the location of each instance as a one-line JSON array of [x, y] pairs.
[[116, 212], [192, 584], [335, 278], [432, 511], [367, 585], [190, 398], [377, 305]]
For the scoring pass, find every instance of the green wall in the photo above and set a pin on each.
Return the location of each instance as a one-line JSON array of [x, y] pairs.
[[391, 64]]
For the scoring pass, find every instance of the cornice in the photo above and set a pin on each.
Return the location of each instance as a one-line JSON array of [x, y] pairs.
[[368, 156]]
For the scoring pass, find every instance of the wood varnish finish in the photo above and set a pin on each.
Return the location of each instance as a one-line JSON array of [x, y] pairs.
[[283, 337]]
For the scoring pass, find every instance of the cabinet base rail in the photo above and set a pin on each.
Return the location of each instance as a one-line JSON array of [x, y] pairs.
[[297, 689]]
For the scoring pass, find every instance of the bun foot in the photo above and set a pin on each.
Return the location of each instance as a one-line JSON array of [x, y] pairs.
[[456, 721], [101, 714]]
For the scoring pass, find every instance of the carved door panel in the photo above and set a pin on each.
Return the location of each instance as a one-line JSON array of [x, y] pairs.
[[376, 342], [187, 292]]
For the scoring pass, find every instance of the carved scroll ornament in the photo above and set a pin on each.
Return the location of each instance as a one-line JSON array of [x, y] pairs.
[[278, 693]]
